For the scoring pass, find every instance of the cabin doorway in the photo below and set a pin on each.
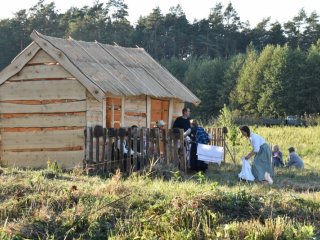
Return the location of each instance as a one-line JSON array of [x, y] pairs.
[[159, 111], [113, 112]]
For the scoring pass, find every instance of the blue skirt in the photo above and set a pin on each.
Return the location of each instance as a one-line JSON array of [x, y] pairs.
[[262, 163]]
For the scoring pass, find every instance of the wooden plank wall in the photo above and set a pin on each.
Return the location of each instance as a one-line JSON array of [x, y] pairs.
[[176, 110], [94, 111], [135, 111], [42, 116]]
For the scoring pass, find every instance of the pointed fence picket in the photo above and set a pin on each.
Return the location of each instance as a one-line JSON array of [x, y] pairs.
[[102, 153]]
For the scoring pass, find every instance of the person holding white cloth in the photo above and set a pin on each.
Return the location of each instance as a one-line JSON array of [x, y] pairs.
[[262, 166]]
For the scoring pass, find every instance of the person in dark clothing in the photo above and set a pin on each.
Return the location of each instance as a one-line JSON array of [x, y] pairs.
[[183, 121], [197, 135]]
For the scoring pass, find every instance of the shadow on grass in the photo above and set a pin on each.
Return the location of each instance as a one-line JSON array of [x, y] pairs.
[[297, 180], [225, 174]]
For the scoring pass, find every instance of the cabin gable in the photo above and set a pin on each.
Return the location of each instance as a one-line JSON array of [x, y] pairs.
[[42, 115]]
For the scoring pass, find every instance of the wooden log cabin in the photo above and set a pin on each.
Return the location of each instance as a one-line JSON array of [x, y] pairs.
[[56, 87]]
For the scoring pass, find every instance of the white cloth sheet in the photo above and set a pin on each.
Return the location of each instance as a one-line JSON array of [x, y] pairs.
[[246, 173], [209, 153]]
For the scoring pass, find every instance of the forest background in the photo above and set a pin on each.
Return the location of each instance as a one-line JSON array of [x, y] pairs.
[[271, 70]]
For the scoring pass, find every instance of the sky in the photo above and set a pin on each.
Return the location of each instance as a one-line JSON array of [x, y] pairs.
[[248, 10]]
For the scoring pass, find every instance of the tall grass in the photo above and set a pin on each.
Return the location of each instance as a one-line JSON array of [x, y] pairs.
[[306, 141], [50, 204]]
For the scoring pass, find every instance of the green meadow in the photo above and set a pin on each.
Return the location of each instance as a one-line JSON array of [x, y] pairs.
[[163, 203]]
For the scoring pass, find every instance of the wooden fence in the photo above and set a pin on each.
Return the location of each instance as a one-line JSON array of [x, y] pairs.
[[105, 149]]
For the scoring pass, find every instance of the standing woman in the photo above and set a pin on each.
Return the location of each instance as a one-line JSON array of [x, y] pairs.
[[262, 167], [197, 135]]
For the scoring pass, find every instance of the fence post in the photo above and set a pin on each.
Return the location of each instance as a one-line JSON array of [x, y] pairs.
[[165, 144], [103, 150], [97, 151], [122, 134], [142, 155], [152, 144], [148, 146], [171, 146], [157, 143], [89, 149], [110, 148], [115, 161], [135, 148], [168, 145], [212, 136], [224, 144], [129, 164], [183, 156], [85, 148], [215, 138]]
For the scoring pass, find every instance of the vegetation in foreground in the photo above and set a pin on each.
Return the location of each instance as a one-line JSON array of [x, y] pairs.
[[163, 203]]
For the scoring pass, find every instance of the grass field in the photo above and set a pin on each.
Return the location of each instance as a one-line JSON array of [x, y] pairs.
[[163, 203]]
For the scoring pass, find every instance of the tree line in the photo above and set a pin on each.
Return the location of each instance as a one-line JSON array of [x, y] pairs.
[[274, 82], [271, 69]]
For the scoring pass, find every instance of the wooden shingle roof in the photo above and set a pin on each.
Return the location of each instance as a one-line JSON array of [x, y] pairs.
[[106, 69]]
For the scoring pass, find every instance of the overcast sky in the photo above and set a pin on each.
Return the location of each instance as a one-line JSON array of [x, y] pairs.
[[248, 10]]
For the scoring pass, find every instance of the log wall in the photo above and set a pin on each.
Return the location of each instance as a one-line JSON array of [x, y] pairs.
[[42, 116], [94, 110], [176, 110], [135, 111]]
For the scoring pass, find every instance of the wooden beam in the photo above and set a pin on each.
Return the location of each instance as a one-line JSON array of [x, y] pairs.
[[28, 115], [41, 72], [19, 62], [51, 149], [37, 129], [75, 106], [135, 114], [122, 111], [44, 120], [104, 113], [170, 114], [39, 140], [148, 110], [66, 159], [42, 90]]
